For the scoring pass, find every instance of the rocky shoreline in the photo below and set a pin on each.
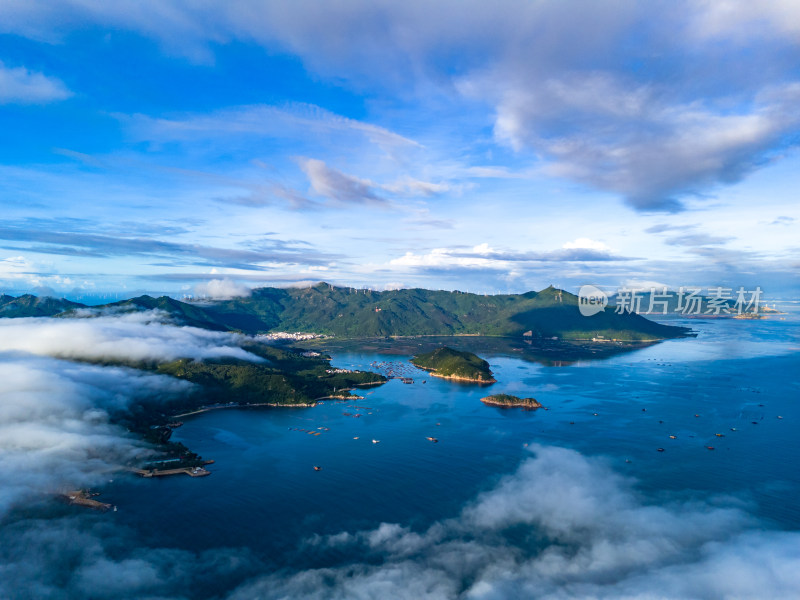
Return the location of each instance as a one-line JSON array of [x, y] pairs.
[[465, 379]]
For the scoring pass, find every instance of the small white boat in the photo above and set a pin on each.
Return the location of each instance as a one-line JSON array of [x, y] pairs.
[[376, 441]]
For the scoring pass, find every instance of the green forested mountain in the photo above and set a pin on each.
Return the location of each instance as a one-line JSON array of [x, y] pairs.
[[347, 312], [182, 312], [33, 306]]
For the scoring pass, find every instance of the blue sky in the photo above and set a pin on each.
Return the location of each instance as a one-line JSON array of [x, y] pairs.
[[204, 148]]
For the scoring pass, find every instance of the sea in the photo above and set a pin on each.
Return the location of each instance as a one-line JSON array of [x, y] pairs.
[[702, 418]]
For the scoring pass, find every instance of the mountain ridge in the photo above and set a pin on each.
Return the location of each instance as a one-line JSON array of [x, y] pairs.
[[353, 313]]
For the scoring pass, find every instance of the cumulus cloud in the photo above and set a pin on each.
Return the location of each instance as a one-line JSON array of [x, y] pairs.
[[18, 271], [563, 526], [221, 289], [617, 136], [18, 85], [136, 336]]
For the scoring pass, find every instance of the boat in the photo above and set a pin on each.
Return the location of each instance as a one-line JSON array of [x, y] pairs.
[[376, 441], [719, 434], [660, 449], [432, 439], [673, 437], [317, 468], [710, 447]]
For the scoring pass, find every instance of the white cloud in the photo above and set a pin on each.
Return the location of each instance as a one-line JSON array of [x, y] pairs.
[[18, 271], [338, 186], [444, 257], [644, 285], [562, 527], [265, 121], [587, 244], [55, 434], [558, 78], [743, 19], [138, 336], [619, 136], [416, 187], [18, 85], [15, 267], [221, 289], [484, 257]]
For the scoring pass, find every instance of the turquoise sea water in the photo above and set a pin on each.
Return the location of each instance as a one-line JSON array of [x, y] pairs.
[[264, 494]]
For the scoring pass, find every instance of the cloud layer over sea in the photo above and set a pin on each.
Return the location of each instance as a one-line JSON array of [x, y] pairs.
[[55, 428], [563, 526]]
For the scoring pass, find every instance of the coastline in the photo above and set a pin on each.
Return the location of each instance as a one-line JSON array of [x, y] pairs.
[[271, 404], [256, 405], [457, 378]]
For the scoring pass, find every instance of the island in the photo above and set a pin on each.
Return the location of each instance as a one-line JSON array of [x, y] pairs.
[[509, 401], [448, 363]]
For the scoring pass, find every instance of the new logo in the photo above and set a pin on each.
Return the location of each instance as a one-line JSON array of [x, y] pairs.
[[591, 300]]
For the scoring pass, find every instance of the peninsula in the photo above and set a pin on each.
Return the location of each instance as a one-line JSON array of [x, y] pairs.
[[448, 363]]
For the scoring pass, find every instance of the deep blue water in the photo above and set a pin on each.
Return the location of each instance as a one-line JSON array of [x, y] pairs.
[[265, 495]]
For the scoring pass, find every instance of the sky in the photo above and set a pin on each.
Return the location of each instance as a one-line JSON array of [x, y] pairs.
[[205, 148]]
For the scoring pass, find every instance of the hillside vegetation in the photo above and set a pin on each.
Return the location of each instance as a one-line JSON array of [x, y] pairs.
[[454, 364], [350, 313], [29, 305], [358, 313]]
